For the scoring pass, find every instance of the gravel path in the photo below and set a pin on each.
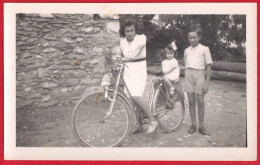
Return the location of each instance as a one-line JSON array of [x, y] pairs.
[[225, 119]]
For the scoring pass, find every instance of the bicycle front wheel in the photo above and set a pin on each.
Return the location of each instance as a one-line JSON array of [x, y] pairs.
[[169, 119], [90, 130]]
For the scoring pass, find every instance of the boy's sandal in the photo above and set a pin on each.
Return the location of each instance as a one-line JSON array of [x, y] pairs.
[[192, 130], [203, 131]]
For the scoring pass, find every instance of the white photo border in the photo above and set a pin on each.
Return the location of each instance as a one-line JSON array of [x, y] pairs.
[[11, 152]]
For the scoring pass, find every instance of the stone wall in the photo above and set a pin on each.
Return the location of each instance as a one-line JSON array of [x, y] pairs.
[[59, 56]]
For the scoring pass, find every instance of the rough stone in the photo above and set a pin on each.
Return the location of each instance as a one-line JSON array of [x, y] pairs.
[[58, 57], [22, 102], [79, 50], [36, 51], [44, 72], [38, 57], [98, 50], [27, 75], [88, 81], [27, 89], [49, 85], [79, 39], [74, 73], [64, 90], [45, 44], [50, 37], [45, 98], [67, 40], [49, 50], [34, 96], [21, 43], [26, 55], [23, 24], [101, 66], [24, 38], [66, 67], [112, 27], [28, 29], [69, 82], [46, 15]]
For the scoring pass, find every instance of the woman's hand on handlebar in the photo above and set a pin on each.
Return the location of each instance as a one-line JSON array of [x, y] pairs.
[[125, 59]]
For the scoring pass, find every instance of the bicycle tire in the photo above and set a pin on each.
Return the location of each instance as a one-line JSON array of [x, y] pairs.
[[169, 119], [88, 114]]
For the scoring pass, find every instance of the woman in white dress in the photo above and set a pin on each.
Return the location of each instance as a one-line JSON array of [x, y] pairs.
[[133, 47]]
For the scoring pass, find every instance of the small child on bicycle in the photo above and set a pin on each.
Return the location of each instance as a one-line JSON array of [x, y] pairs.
[[171, 73]]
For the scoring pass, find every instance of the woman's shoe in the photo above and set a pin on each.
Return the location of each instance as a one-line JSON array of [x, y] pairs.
[[152, 127], [138, 129]]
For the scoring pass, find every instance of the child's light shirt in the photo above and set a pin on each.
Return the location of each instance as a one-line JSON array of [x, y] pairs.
[[197, 57], [168, 65]]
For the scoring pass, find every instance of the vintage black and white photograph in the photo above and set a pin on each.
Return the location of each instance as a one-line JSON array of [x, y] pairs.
[[132, 80]]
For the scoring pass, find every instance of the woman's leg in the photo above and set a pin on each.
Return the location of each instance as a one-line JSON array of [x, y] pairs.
[[140, 102], [192, 109], [145, 107]]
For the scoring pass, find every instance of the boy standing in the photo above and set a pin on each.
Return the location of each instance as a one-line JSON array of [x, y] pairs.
[[196, 58]]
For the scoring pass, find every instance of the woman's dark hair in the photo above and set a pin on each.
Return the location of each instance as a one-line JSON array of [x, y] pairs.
[[128, 22]]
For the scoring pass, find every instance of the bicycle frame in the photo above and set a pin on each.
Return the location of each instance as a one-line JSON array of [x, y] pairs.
[[118, 77]]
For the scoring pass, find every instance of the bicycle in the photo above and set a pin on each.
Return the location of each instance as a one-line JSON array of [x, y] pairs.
[[106, 118]]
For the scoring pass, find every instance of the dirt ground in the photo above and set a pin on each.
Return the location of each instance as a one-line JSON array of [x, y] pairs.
[[225, 119]]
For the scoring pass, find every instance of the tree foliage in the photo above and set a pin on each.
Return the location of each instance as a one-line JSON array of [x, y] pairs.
[[220, 32]]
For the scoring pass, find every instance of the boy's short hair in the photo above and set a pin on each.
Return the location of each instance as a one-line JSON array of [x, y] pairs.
[[195, 27]]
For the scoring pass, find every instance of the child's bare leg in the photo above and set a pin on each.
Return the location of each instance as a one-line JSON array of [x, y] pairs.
[[192, 109], [201, 112], [167, 81], [169, 86]]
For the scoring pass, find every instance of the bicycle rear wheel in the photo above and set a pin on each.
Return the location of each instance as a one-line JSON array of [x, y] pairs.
[[90, 130], [169, 119]]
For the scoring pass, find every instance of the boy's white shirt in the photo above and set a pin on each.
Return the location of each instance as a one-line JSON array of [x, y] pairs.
[[197, 57]]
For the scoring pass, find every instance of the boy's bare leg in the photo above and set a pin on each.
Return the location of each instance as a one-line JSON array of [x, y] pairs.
[[192, 109], [180, 95], [201, 112]]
